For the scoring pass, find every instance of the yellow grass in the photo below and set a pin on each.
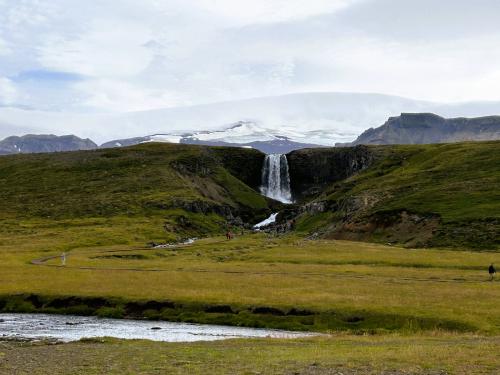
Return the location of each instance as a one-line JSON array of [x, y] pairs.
[[256, 270]]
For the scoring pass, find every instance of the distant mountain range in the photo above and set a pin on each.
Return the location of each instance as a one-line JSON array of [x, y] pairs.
[[425, 128], [323, 118], [242, 134], [408, 128], [32, 143]]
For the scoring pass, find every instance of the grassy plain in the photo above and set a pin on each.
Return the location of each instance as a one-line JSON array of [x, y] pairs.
[[338, 285], [334, 355], [387, 310]]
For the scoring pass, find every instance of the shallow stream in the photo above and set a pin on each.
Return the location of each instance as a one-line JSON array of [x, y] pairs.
[[72, 328]]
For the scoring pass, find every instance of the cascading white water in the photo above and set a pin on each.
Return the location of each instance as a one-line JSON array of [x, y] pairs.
[[276, 179]]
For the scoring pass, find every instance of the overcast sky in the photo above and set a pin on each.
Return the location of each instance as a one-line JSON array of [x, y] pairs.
[[126, 55]]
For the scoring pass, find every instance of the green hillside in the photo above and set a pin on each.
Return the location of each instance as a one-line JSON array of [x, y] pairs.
[[194, 190], [423, 195]]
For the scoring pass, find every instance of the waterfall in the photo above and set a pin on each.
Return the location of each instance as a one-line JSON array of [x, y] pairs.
[[275, 178]]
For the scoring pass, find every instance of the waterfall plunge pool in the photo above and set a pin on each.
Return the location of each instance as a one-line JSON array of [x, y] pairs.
[[66, 328]]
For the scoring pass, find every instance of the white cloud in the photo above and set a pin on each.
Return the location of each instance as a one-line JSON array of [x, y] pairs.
[[265, 11], [4, 48], [157, 53], [119, 96], [108, 48], [8, 92]]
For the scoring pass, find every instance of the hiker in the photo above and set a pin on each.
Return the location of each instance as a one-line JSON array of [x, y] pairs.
[[492, 271], [63, 258]]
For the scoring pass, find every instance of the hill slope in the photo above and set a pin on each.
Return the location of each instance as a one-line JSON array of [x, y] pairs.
[[422, 195], [194, 189]]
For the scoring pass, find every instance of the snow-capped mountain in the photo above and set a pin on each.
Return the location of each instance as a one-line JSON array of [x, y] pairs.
[[241, 134], [311, 118], [244, 132]]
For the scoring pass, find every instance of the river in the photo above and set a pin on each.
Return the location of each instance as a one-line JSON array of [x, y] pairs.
[[68, 328]]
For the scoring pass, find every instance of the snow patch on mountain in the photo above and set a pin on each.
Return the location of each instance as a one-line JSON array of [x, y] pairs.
[[244, 132]]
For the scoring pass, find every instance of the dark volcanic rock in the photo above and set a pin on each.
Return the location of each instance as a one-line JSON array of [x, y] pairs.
[[246, 165], [44, 143], [424, 128], [311, 170]]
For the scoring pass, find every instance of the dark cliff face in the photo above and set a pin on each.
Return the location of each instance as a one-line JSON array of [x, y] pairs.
[[244, 164], [44, 143], [427, 128], [312, 170]]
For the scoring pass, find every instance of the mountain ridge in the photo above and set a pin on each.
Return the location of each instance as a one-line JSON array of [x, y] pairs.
[[33, 143], [428, 128], [408, 128]]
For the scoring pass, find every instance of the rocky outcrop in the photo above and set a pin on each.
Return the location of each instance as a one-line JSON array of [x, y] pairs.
[[426, 128], [399, 226], [203, 207], [312, 170], [44, 143]]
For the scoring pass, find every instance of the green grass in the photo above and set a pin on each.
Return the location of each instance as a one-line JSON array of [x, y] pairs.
[[342, 285], [348, 355]]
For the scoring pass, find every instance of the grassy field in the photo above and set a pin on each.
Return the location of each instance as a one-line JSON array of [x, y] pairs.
[[336, 285], [348, 355], [387, 310]]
